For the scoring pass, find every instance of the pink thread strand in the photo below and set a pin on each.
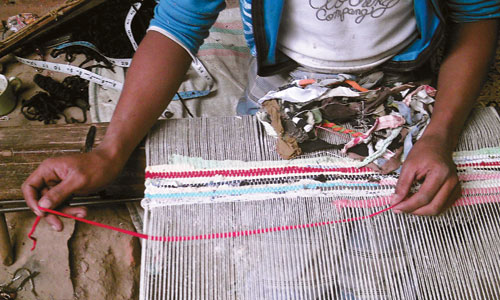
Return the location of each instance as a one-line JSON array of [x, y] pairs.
[[199, 237], [37, 220]]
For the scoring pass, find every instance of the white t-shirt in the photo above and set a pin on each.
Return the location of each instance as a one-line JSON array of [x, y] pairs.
[[345, 35]]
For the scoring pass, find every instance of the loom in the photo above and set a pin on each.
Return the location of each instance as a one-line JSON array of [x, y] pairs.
[[236, 222]]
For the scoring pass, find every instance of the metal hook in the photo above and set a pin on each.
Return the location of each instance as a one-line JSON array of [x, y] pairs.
[[8, 290]]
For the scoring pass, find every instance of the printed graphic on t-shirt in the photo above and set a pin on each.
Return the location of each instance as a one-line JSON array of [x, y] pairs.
[[359, 10], [346, 35]]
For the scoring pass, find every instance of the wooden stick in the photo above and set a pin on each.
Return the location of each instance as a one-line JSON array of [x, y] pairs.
[[6, 254], [20, 205]]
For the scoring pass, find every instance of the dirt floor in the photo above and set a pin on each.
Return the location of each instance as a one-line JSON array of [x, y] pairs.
[[82, 262]]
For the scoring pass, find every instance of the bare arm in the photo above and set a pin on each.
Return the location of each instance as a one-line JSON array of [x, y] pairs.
[[156, 72], [459, 83]]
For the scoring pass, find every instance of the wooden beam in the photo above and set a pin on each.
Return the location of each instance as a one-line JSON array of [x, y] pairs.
[[22, 149]]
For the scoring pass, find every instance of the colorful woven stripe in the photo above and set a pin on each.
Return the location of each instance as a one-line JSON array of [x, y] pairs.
[[211, 181]]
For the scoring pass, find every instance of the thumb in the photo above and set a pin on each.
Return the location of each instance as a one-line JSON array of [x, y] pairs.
[[60, 192], [404, 184], [56, 196]]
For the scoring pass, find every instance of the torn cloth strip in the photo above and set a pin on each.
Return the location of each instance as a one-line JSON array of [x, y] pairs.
[[375, 118]]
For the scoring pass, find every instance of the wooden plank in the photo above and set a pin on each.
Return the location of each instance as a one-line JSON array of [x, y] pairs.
[[22, 149], [48, 137]]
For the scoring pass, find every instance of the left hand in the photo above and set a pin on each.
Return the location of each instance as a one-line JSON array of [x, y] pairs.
[[430, 163]]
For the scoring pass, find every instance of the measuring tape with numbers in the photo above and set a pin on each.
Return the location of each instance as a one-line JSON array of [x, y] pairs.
[[128, 23], [125, 62], [98, 79], [72, 70], [119, 62]]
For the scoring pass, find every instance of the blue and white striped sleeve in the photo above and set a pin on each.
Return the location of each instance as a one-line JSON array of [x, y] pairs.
[[186, 22], [473, 10]]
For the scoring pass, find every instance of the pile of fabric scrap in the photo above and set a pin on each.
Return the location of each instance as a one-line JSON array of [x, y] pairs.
[[380, 122], [15, 23]]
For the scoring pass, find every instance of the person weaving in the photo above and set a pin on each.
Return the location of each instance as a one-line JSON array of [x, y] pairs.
[[316, 37]]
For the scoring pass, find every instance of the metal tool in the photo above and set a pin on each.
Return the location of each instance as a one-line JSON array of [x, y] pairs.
[[9, 290], [90, 139]]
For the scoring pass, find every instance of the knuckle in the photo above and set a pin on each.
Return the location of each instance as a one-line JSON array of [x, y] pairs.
[[55, 195], [81, 180], [421, 201], [402, 184], [403, 181], [407, 167], [48, 162], [26, 188], [443, 171], [434, 211]]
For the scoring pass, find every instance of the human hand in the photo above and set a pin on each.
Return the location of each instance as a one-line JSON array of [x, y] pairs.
[[56, 179], [430, 163]]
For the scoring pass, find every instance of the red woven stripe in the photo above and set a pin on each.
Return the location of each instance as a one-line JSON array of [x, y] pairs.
[[253, 172]]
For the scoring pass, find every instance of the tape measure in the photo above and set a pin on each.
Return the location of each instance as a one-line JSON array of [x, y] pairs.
[[125, 62], [128, 23], [120, 62], [98, 79], [72, 70]]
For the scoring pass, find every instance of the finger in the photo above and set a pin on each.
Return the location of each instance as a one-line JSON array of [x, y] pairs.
[[54, 222], [403, 186], [432, 184], [443, 200], [455, 195], [32, 187], [37, 184], [77, 211], [56, 195]]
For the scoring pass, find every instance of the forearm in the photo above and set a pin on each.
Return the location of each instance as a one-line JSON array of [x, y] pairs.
[[157, 70], [460, 78]]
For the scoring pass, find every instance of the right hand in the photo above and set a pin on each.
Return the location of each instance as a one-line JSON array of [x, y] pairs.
[[57, 179]]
